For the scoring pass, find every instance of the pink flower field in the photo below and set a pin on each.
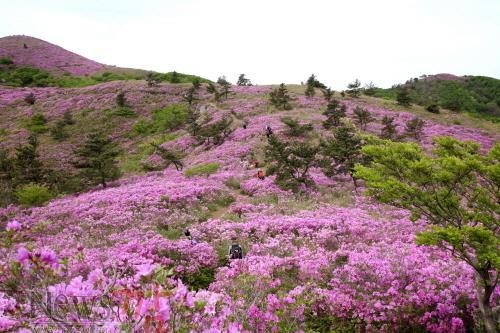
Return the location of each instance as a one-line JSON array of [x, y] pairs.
[[116, 259]]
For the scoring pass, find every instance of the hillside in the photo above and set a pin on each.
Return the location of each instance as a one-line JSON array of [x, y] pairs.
[[31, 62], [100, 184], [34, 52], [479, 95]]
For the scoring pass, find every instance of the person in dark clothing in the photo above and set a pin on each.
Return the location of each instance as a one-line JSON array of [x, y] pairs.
[[235, 251], [269, 131], [188, 235], [260, 175], [245, 124]]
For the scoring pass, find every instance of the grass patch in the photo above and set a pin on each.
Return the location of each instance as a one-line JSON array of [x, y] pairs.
[[202, 169]]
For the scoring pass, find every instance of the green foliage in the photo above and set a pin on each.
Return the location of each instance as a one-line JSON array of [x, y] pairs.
[[68, 118], [328, 94], [141, 127], [310, 85], [58, 131], [290, 162], [403, 97], [169, 118], [26, 77], [202, 169], [174, 78], [33, 195], [354, 89], [414, 128], [370, 89], [6, 61], [201, 279], [455, 189], [97, 159], [341, 152], [294, 128], [233, 183], [121, 100], [170, 157], [124, 111], [362, 117], [433, 108], [334, 112], [388, 130], [215, 133], [280, 98], [243, 81], [28, 167], [37, 123]]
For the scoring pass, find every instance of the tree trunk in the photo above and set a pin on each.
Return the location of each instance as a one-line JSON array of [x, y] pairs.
[[484, 291]]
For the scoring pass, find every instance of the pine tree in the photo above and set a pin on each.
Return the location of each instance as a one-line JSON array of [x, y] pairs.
[[28, 167], [294, 128], [225, 87], [341, 152], [168, 156], [175, 77], [362, 117], [190, 96], [290, 162], [212, 89], [388, 130], [68, 118], [279, 98], [121, 100], [196, 83], [334, 112], [58, 132], [414, 128], [97, 159], [328, 94], [243, 81], [354, 88], [403, 97], [151, 79], [310, 84], [370, 89]]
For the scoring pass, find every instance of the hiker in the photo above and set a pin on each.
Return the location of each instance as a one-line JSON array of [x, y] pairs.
[[245, 124], [269, 131], [188, 235], [235, 250], [260, 175]]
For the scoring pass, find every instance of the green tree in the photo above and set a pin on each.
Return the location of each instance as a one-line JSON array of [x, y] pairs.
[[403, 97], [334, 112], [290, 162], [280, 98], [310, 84], [456, 190], [175, 78], [190, 96], [388, 131], [151, 79], [37, 123], [121, 100], [97, 159], [370, 89], [328, 94], [354, 88], [414, 128], [27, 164], [433, 108], [58, 131], [170, 157], [243, 81], [362, 117], [295, 128], [215, 133], [341, 152], [212, 89]]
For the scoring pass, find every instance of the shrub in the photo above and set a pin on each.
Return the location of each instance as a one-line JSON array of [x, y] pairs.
[[414, 128], [433, 108], [121, 100], [388, 131], [6, 61], [33, 195], [362, 117], [354, 88], [294, 128], [403, 97], [279, 98], [141, 127], [169, 118], [58, 132], [30, 99], [37, 123], [202, 169], [334, 112]]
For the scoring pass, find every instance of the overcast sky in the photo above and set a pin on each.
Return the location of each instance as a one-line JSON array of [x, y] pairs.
[[273, 41]]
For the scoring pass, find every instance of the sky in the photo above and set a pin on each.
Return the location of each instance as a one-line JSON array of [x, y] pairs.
[[272, 41]]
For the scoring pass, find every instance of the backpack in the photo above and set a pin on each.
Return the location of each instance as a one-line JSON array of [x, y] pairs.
[[236, 252]]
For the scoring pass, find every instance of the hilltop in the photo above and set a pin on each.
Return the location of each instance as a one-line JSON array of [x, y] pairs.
[[320, 256]]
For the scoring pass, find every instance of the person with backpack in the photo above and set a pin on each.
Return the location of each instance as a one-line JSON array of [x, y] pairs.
[[235, 250], [188, 235], [260, 175]]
